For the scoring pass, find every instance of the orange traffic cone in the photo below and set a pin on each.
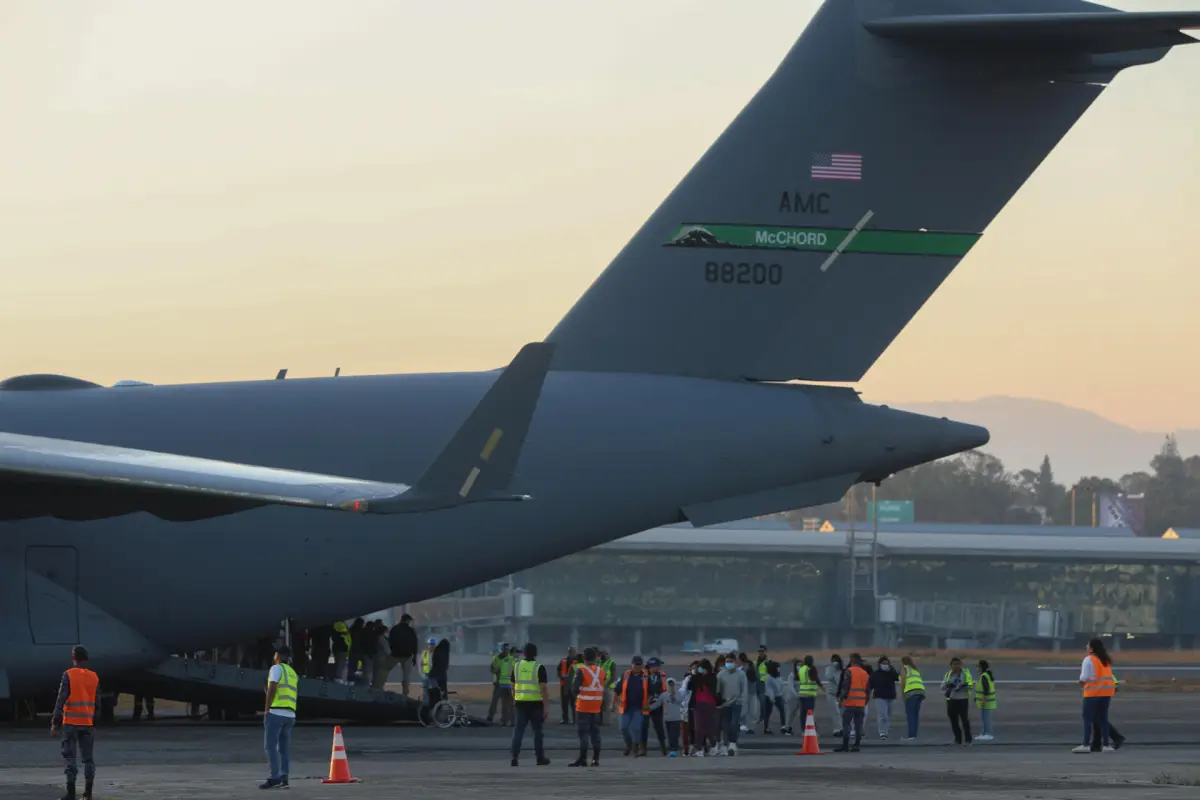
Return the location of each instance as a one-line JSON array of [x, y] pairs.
[[339, 767], [810, 748]]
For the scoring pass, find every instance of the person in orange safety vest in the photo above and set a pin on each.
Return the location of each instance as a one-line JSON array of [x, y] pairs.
[[74, 713], [1099, 686], [634, 706], [853, 691], [588, 690]]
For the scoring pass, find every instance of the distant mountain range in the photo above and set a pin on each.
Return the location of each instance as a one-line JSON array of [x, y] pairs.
[[1078, 442]]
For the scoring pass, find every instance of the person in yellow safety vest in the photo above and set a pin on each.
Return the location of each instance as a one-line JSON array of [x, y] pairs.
[[533, 704], [1099, 686], [610, 672], [913, 687], [279, 717], [985, 699], [808, 686], [341, 652], [502, 694], [957, 685]]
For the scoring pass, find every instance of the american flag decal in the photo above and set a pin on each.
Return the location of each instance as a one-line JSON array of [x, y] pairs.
[[837, 166]]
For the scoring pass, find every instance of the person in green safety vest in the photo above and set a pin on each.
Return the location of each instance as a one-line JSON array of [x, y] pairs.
[[985, 699], [807, 685], [532, 702], [502, 685], [610, 679], [913, 687], [279, 717], [957, 686]]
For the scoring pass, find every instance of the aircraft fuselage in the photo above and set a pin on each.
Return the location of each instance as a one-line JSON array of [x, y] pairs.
[[608, 455]]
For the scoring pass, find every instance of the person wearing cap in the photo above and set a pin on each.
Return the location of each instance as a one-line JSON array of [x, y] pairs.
[[633, 706], [655, 685], [279, 717], [74, 714], [669, 706], [402, 640]]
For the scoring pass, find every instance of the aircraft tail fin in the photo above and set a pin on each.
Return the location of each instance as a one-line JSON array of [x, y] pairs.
[[478, 463], [847, 190]]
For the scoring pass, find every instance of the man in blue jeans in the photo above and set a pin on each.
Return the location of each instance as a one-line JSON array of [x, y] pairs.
[[279, 718]]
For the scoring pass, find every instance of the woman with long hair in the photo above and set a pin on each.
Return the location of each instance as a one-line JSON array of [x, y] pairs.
[[1099, 686], [703, 707], [985, 698], [913, 688]]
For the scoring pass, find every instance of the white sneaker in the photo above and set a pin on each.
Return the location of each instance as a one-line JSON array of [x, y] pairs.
[[733, 749], [1110, 749], [744, 729], [1083, 748], [722, 751]]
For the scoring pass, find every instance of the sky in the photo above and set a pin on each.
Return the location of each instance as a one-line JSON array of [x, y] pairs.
[[194, 191]]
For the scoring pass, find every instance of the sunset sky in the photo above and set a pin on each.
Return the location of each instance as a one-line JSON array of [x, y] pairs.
[[213, 190]]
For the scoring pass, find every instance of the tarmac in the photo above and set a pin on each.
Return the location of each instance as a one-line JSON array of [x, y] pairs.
[[172, 758]]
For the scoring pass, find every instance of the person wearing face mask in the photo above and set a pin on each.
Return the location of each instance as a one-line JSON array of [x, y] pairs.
[[702, 705], [882, 686], [832, 680], [732, 688]]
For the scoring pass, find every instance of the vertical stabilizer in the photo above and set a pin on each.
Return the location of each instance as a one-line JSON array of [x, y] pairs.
[[846, 191]]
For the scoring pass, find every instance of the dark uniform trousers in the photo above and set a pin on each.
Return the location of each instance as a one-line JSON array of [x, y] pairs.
[[588, 726], [77, 739]]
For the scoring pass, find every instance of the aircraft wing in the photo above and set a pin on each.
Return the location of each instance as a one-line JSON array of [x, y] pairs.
[[46, 477]]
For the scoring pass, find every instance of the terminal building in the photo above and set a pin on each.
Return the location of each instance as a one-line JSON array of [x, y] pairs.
[[837, 586]]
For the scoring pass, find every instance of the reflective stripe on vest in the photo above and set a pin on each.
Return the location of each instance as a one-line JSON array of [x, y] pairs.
[[1103, 684], [527, 689], [913, 681], [426, 661], [985, 694], [80, 708], [286, 689], [857, 696], [591, 690], [807, 686], [625, 691]]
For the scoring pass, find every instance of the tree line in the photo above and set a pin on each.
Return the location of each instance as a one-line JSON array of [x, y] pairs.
[[975, 488]]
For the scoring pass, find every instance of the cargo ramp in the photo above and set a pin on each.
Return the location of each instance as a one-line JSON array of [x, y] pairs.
[[227, 686]]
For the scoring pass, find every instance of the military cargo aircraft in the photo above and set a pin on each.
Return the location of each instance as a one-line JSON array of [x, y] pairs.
[[683, 385]]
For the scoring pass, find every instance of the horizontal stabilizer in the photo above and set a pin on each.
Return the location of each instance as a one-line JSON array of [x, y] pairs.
[[47, 477], [772, 501], [479, 461], [1084, 32]]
